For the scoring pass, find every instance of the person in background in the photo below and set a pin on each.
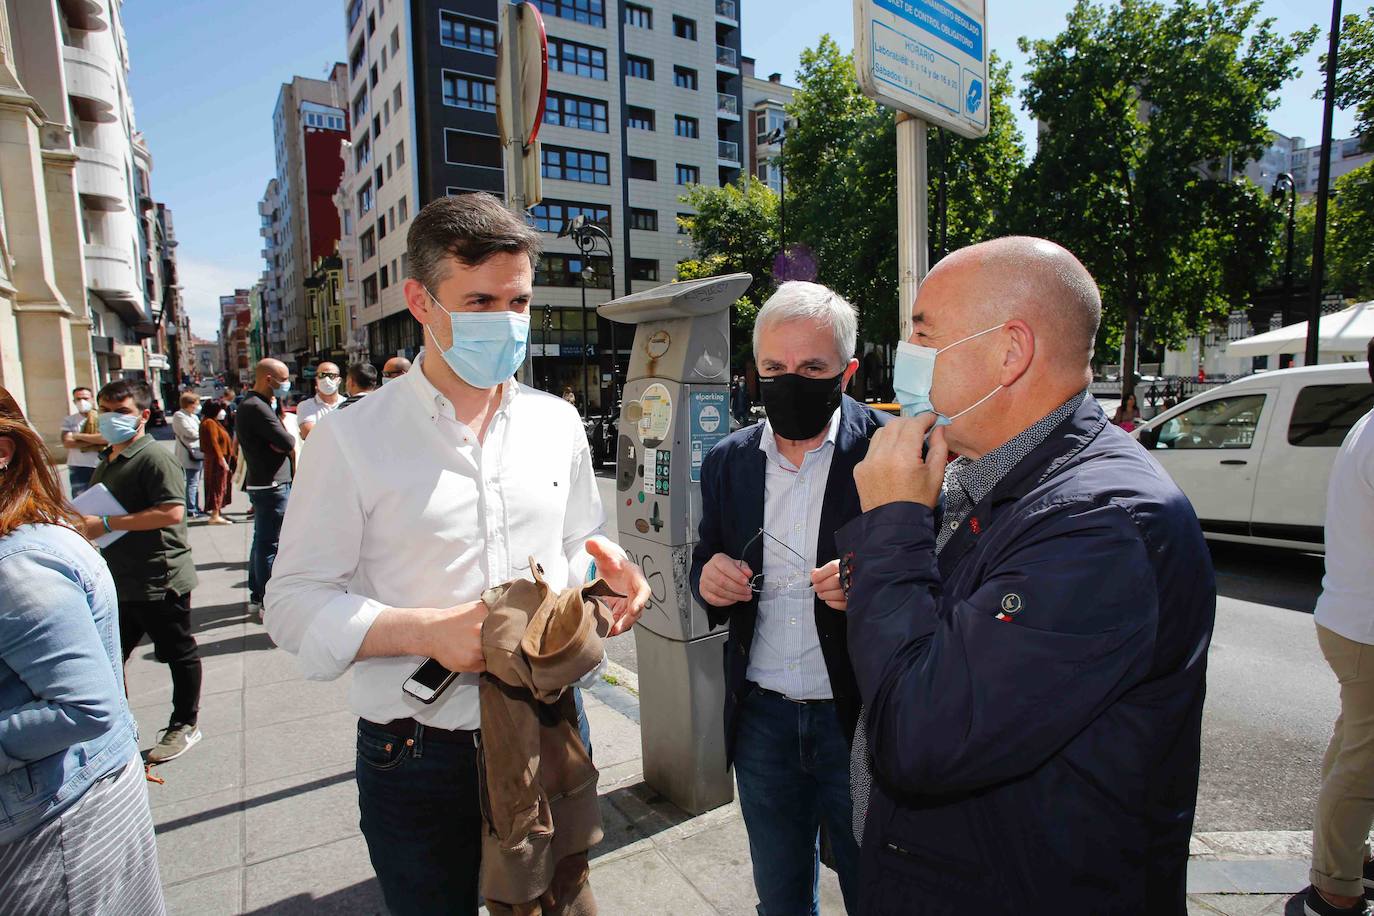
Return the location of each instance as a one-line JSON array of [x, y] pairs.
[[217, 448], [1127, 414], [362, 380], [394, 368], [76, 834], [325, 401], [1341, 872], [81, 438], [186, 428], [569, 395], [151, 562], [230, 400], [739, 400], [269, 451]]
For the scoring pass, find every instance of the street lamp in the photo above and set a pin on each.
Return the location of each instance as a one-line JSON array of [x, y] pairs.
[[1285, 186], [587, 235]]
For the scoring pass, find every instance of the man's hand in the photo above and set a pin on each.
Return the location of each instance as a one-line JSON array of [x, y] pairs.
[[92, 527], [626, 578], [454, 637], [725, 581], [827, 584], [893, 470]]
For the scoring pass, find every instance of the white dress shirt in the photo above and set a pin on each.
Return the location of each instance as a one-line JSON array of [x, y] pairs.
[[786, 655], [1346, 605], [312, 409], [399, 505]]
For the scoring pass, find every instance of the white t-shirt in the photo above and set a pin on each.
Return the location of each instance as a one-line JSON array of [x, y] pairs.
[[312, 409], [76, 458], [1346, 605]]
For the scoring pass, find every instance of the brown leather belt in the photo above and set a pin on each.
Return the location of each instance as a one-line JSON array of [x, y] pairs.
[[406, 728]]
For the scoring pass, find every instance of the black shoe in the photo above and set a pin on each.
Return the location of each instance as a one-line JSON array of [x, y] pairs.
[[1314, 904], [1369, 880]]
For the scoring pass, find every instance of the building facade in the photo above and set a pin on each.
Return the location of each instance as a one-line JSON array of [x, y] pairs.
[[235, 327], [1346, 156], [765, 106], [84, 273], [644, 100]]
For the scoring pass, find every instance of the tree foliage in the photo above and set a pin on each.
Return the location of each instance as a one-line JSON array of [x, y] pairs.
[[1148, 107], [1355, 71], [1350, 264]]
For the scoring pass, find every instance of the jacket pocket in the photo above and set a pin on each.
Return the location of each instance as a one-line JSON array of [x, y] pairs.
[[17, 785], [378, 754]]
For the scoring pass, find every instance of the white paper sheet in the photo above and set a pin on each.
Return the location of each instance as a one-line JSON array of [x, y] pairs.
[[98, 500]]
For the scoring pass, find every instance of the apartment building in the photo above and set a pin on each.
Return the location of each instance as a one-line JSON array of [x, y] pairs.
[[273, 278], [309, 123], [83, 276], [235, 321], [1346, 156], [765, 106], [645, 99]]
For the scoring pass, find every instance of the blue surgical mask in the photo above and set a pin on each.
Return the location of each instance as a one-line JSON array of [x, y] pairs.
[[118, 427], [913, 371], [282, 390], [487, 346]]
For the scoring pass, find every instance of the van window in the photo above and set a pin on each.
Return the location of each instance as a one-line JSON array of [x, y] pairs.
[[1223, 423], [1323, 414]]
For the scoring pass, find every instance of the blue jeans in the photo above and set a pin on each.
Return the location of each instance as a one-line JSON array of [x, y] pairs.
[[80, 479], [269, 508], [792, 769], [420, 816], [192, 491]]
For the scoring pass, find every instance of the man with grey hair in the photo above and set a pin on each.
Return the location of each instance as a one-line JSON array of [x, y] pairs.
[[773, 495], [1028, 622]]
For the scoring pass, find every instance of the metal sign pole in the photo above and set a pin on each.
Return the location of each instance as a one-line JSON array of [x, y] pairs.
[[515, 140], [913, 248]]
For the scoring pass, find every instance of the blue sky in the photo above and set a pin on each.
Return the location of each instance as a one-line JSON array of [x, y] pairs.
[[205, 76]]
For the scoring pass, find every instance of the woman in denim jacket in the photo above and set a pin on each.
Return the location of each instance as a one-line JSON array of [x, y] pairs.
[[76, 835]]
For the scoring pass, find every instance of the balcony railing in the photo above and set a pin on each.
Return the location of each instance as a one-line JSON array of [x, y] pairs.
[[728, 150], [727, 9], [727, 104], [727, 57]]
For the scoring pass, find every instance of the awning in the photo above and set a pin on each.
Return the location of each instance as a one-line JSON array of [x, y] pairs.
[[1345, 332]]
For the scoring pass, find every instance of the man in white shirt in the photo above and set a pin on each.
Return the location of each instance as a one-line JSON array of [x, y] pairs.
[[1341, 874], [83, 447], [326, 400], [452, 480]]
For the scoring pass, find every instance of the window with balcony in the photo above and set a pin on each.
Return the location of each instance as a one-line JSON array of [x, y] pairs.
[[641, 17], [685, 28], [575, 111], [587, 12], [564, 164], [684, 126], [639, 118], [552, 215], [643, 269], [639, 67], [643, 169], [768, 121], [473, 92], [467, 33], [685, 78], [646, 220], [688, 174], [577, 59]]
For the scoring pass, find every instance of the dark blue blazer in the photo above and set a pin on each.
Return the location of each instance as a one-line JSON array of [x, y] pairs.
[[732, 480], [1034, 694]]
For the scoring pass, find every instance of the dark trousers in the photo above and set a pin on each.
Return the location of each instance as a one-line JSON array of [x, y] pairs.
[[167, 622], [420, 815], [269, 508], [792, 769], [80, 479]]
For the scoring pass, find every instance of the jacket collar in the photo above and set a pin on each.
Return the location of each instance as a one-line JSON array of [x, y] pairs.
[[1045, 460]]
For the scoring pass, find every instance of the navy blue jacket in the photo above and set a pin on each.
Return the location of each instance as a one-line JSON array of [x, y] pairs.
[[1034, 696], [732, 480]]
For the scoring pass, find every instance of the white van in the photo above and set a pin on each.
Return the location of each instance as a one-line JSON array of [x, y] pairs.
[[1254, 456]]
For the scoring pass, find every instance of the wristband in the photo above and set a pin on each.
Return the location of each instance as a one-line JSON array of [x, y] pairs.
[[105, 520]]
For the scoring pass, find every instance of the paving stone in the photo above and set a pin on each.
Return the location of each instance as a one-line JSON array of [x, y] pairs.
[[272, 704], [333, 878], [646, 883], [199, 837], [214, 895], [275, 751], [277, 811]]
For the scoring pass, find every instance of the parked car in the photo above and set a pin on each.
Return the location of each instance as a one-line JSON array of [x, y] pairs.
[[1254, 456]]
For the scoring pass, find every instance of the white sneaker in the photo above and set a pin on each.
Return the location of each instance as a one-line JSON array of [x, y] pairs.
[[255, 610]]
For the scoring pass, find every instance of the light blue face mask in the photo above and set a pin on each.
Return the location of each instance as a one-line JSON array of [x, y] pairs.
[[116, 428], [282, 390], [913, 371], [488, 347]]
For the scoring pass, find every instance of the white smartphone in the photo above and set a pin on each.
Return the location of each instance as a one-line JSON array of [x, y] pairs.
[[428, 681]]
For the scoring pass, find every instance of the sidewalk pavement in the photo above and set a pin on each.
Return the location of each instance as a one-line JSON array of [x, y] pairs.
[[262, 817]]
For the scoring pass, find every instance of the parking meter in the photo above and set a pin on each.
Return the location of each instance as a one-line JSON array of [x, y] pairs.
[[675, 407]]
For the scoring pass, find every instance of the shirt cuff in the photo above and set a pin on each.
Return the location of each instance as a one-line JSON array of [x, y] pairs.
[[335, 635], [589, 680]]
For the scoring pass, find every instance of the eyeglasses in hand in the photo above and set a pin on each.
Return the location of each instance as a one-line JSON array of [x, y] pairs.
[[800, 567]]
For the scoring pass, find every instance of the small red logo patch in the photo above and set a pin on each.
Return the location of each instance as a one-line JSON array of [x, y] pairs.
[[975, 526]]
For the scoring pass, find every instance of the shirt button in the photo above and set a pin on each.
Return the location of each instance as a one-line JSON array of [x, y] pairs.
[[953, 526], [796, 527]]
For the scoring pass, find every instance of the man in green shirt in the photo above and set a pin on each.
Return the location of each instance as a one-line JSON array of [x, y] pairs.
[[151, 562]]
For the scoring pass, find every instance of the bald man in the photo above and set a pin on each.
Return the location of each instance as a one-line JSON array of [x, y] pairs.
[[1031, 649], [267, 448], [394, 368], [327, 398]]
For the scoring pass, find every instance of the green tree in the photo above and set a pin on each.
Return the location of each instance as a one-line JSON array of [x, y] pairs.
[[1148, 106], [1355, 71], [1350, 262]]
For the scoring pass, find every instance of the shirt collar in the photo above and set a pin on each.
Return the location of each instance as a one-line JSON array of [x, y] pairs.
[[768, 442], [432, 399], [131, 449], [977, 478]]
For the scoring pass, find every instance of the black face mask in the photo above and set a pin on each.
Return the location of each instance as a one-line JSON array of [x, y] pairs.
[[799, 407]]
